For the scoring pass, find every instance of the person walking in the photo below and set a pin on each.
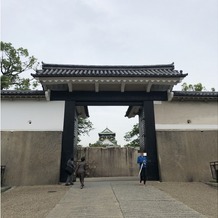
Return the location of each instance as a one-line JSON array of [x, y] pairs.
[[70, 169], [81, 171], [142, 161]]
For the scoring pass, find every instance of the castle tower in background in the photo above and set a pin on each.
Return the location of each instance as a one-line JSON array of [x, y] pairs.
[[107, 138]]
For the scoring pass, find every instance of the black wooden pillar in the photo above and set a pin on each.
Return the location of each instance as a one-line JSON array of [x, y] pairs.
[[150, 144], [67, 150]]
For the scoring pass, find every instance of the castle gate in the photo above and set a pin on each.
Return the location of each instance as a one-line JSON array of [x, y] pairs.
[[81, 86]]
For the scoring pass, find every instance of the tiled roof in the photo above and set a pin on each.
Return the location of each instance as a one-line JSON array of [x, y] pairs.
[[106, 131], [56, 70], [19, 94], [195, 95], [22, 92]]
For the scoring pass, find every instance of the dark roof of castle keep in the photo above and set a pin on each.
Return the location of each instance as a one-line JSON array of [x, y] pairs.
[[57, 70], [180, 95]]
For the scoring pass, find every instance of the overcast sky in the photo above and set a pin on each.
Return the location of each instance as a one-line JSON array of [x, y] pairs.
[[118, 32]]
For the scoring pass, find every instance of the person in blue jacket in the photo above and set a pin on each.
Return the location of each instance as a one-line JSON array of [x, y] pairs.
[[142, 161]]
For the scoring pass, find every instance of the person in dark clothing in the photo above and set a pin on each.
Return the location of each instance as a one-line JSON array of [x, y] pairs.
[[81, 171], [142, 161], [70, 169]]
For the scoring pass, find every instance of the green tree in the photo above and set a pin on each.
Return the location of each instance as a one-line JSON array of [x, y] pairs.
[[97, 144], [84, 127], [133, 136], [13, 63], [196, 87]]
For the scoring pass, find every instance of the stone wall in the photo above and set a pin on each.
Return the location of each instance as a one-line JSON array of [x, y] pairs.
[[106, 162], [33, 158], [185, 155]]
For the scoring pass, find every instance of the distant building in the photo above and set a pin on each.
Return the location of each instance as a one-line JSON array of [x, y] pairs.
[[107, 138]]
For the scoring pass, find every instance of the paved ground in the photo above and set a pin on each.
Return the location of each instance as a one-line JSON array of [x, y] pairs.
[[111, 198]]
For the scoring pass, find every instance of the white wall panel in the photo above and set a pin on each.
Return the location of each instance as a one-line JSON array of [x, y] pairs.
[[32, 115]]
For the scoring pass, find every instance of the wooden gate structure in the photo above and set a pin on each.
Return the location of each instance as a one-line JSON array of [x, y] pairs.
[[87, 85]]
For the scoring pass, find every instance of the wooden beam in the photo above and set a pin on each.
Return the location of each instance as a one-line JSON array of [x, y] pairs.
[[148, 88], [123, 87], [48, 95], [170, 95], [119, 97], [70, 86], [96, 87]]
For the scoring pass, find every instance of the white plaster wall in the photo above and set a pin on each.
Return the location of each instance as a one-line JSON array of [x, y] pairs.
[[49, 115], [175, 114], [44, 115]]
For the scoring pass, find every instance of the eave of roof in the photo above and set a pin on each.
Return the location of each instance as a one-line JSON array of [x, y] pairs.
[[58, 70], [106, 132], [195, 95], [22, 94]]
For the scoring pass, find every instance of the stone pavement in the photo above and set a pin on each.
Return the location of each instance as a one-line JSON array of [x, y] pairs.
[[119, 199]]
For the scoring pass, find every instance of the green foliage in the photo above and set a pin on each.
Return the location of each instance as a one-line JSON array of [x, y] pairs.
[[134, 132], [84, 126], [196, 87], [135, 143], [97, 144], [13, 63], [133, 137]]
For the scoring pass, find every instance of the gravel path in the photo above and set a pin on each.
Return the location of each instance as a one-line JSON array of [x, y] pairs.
[[31, 201], [38, 201], [198, 196]]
